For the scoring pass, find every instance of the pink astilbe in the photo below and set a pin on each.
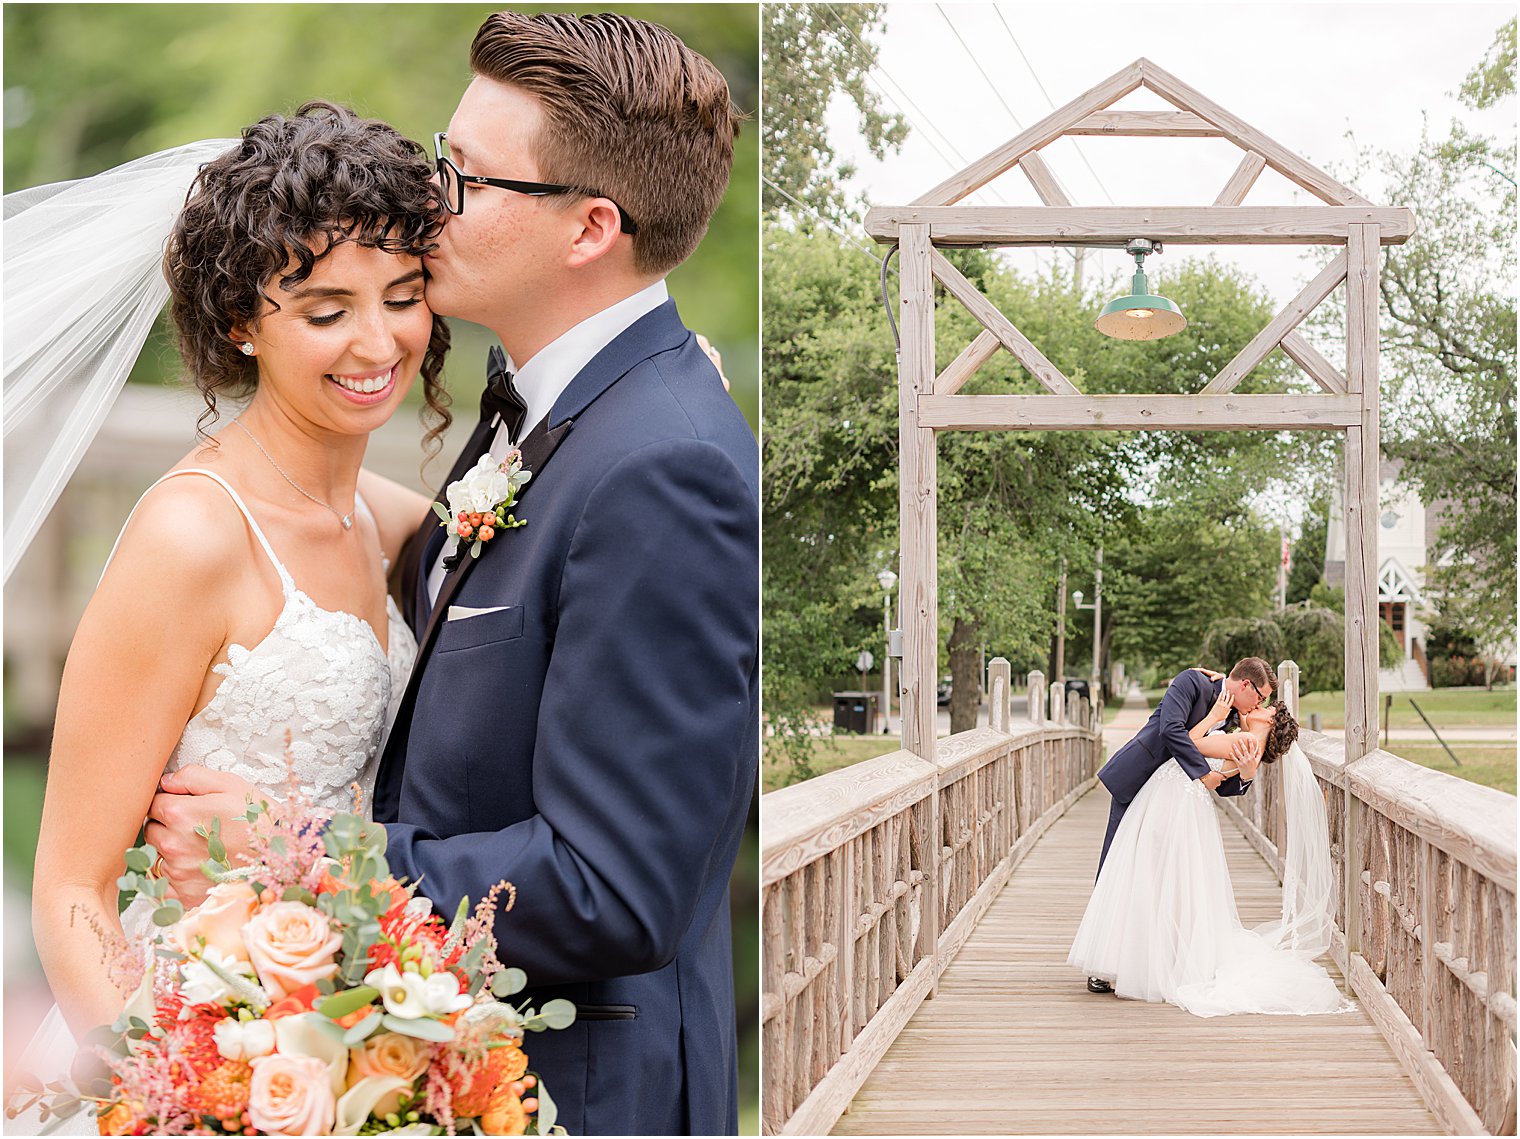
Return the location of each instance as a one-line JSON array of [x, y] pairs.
[[438, 1091], [147, 1082], [124, 962]]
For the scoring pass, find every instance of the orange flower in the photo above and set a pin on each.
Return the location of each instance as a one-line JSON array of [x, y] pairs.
[[299, 1001], [506, 1116], [356, 1016], [478, 1087], [222, 1092], [118, 1121]]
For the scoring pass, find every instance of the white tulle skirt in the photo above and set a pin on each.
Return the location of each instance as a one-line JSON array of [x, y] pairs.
[[1161, 924]]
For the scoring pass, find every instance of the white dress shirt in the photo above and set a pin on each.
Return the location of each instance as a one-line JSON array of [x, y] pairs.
[[550, 370]]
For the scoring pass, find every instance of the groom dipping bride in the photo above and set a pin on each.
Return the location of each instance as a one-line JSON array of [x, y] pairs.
[[1161, 924], [582, 720]]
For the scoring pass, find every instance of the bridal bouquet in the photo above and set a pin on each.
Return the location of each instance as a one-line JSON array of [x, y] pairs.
[[312, 994]]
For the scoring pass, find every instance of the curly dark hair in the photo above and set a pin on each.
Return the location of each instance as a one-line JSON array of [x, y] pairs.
[[296, 187], [1280, 736]]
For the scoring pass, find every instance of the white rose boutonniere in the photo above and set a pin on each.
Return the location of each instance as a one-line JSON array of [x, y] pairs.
[[480, 504]]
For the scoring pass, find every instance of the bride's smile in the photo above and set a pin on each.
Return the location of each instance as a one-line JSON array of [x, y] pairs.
[[358, 324]]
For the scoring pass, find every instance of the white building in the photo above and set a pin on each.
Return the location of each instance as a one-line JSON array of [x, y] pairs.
[[1404, 528]]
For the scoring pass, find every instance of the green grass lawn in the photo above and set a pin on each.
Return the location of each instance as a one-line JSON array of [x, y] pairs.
[[1446, 707], [829, 753], [1490, 766]]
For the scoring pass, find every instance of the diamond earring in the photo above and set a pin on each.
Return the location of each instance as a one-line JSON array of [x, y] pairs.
[[247, 348]]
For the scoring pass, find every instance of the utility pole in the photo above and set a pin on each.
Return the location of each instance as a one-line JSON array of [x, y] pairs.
[[1060, 668]]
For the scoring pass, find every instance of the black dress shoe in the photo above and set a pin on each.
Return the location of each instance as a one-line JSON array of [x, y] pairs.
[[1098, 985]]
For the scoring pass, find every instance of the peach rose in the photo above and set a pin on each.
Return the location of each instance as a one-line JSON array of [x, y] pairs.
[[291, 1095], [291, 945], [388, 1054], [219, 920]]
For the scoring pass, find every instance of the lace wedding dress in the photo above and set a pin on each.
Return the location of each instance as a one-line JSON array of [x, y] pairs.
[[319, 674], [1161, 924]]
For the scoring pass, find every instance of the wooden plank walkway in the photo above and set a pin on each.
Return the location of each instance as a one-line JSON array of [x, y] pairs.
[[1014, 1044]]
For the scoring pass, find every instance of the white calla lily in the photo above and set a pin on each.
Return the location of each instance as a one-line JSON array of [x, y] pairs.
[[310, 1034], [402, 993], [356, 1104]]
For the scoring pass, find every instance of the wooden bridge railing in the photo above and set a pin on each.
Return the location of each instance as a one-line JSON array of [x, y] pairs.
[[1430, 890], [874, 876]]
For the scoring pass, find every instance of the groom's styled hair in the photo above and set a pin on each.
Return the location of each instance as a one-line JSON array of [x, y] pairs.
[[628, 109], [1257, 671]]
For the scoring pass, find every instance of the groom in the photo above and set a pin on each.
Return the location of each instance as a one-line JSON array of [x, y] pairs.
[[1165, 736], [582, 720]]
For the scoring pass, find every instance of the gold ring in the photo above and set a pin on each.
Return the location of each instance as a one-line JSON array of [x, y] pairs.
[[157, 869]]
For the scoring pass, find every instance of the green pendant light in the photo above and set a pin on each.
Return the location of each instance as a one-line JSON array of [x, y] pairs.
[[1140, 315]]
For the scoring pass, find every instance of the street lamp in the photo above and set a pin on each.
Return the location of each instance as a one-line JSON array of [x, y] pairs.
[[887, 579], [1097, 612]]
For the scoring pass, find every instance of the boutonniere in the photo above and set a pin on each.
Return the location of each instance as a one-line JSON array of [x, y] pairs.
[[480, 504]]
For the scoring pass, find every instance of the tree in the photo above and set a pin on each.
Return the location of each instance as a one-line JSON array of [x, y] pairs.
[[1308, 566], [810, 53], [1449, 352]]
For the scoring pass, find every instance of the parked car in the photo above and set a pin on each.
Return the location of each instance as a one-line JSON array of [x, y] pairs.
[[943, 693]]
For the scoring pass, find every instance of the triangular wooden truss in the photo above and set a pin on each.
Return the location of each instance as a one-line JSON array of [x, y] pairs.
[[1347, 400], [1059, 222]]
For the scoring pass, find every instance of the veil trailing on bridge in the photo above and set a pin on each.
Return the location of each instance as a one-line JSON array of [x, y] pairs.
[[1308, 884], [83, 285]]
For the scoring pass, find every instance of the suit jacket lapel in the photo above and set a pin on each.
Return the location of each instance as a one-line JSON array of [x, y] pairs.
[[424, 545], [537, 450]]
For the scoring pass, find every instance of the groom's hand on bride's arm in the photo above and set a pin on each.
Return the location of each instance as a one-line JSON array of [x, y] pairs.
[[186, 799]]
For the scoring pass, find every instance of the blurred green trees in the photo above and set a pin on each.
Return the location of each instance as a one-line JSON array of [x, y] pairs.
[[89, 86]]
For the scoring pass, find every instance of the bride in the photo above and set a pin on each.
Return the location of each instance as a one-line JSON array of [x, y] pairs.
[[246, 595], [1161, 924]]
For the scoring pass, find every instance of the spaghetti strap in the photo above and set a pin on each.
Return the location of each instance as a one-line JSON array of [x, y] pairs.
[[286, 580], [363, 508]]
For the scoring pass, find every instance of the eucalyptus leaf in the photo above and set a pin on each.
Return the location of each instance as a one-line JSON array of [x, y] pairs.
[[350, 1000], [138, 860], [548, 1111], [216, 848], [507, 982], [442, 512], [169, 912], [558, 1013], [361, 1031], [421, 1028]]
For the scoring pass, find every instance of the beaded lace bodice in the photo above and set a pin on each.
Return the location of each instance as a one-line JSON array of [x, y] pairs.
[[321, 675]]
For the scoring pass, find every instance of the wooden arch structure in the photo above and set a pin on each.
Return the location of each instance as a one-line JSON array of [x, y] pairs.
[[1347, 401]]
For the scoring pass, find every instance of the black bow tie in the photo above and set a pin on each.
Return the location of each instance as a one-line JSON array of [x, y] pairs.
[[501, 396], [1232, 721]]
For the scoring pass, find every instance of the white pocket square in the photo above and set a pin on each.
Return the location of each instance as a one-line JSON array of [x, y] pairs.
[[461, 612]]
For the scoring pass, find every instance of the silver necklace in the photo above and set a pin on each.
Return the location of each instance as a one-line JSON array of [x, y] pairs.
[[346, 519]]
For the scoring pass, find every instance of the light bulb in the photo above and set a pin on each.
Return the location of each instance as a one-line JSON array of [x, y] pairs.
[[1140, 313]]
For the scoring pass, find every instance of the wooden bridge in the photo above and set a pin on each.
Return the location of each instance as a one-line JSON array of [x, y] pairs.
[[865, 918]]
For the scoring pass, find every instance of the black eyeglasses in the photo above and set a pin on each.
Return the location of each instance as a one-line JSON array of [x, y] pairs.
[[452, 181], [1264, 697]]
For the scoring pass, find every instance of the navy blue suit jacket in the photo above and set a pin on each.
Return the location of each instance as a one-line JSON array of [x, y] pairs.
[[595, 742], [1165, 736]]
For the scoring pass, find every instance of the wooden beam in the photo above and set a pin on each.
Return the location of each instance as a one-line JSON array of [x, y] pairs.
[[1283, 323], [1047, 130], [995, 322], [1362, 459], [1114, 225], [1167, 124], [917, 498], [964, 366], [1138, 412], [1315, 366], [1290, 165], [1043, 181], [1240, 183]]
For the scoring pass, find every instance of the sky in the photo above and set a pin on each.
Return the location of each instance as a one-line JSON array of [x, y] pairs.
[[1321, 79]]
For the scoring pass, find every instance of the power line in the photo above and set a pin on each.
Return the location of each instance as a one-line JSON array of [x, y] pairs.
[[928, 123], [817, 213], [1052, 102], [988, 78]]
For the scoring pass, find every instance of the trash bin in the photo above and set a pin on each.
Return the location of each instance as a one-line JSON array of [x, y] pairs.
[[855, 712], [1081, 688]]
